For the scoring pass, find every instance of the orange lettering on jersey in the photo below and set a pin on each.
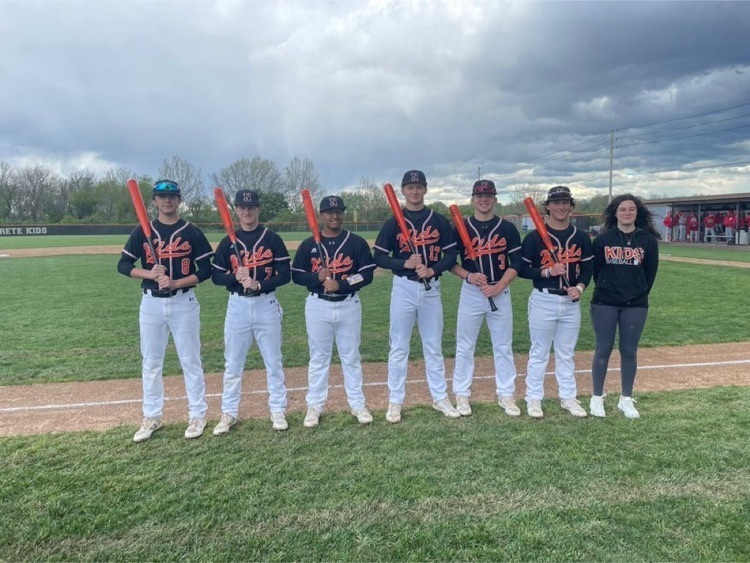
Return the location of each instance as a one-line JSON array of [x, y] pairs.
[[569, 256], [339, 264], [494, 245], [429, 236], [175, 249], [260, 257]]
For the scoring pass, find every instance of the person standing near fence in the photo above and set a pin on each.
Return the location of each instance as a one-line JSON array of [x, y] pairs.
[[708, 223], [626, 257]]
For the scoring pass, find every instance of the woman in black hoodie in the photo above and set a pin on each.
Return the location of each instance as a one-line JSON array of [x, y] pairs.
[[626, 256]]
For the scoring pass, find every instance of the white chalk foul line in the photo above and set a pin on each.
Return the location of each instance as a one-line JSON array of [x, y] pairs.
[[341, 386]]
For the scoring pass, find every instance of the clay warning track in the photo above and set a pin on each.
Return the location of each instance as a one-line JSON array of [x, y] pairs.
[[99, 405]]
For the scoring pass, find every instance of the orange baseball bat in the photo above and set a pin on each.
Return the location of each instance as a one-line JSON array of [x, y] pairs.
[[458, 221], [226, 219], [398, 214]]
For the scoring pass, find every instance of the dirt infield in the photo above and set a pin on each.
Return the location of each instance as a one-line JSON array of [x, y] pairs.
[[99, 405]]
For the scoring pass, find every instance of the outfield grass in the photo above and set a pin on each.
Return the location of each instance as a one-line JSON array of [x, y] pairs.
[[708, 252], [671, 486], [78, 319]]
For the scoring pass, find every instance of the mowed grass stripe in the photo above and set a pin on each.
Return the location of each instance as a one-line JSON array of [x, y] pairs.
[[673, 485]]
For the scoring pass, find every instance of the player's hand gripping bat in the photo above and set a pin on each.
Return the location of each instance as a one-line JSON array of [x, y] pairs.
[[140, 211], [226, 219], [312, 221], [398, 214], [541, 228], [458, 221]]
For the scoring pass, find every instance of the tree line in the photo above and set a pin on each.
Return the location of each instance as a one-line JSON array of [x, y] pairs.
[[35, 193]]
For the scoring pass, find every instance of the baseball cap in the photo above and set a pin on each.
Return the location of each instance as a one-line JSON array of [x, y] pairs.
[[247, 197], [559, 193], [332, 202], [166, 187], [484, 187], [414, 177]]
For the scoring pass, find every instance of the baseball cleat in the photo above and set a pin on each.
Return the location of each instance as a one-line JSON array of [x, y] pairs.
[[508, 404], [148, 427], [534, 409], [312, 418], [627, 406], [462, 405], [445, 407], [363, 415], [573, 406], [394, 413], [226, 422], [596, 406], [195, 428], [279, 421]]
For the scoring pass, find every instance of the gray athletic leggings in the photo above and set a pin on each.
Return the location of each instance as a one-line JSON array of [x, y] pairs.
[[606, 319]]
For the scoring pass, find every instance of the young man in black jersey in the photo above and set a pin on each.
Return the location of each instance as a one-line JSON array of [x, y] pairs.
[[497, 246], [169, 306], [253, 312], [554, 304], [332, 310]]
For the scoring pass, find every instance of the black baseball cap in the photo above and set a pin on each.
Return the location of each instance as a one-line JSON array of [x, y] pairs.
[[414, 177], [247, 197], [166, 187], [559, 193], [331, 202], [484, 187]]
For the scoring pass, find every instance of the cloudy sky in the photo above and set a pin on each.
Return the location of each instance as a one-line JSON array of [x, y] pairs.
[[528, 91]]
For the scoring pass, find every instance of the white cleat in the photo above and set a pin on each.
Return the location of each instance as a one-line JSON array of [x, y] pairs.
[[534, 409], [312, 419], [573, 406], [394, 413], [278, 421], [226, 422], [363, 415], [627, 406], [445, 407], [596, 406], [148, 427], [195, 428], [508, 404], [462, 405]]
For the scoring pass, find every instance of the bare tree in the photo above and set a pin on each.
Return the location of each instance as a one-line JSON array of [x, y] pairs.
[[79, 194], [9, 192], [366, 201], [188, 176], [114, 200], [259, 174], [38, 185], [519, 192], [298, 175]]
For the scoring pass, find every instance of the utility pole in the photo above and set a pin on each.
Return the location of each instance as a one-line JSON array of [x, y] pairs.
[[611, 159]]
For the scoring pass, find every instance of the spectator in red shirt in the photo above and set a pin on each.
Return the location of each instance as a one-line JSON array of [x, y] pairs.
[[692, 227], [668, 224], [729, 224], [708, 223]]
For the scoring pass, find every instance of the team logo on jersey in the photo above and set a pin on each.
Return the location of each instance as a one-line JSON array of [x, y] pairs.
[[623, 255], [260, 257], [494, 245], [570, 256], [428, 237], [175, 249], [340, 264]]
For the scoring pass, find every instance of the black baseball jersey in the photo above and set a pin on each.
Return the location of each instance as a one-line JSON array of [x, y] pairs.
[[182, 248], [497, 246], [432, 236], [572, 247], [625, 267], [262, 252], [347, 256]]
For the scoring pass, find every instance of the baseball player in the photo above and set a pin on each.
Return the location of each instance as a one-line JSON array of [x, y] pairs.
[[554, 316], [169, 305], [410, 300], [333, 310], [253, 312], [708, 222], [498, 246]]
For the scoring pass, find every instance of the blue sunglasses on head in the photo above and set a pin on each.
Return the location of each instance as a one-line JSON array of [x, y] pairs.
[[166, 186]]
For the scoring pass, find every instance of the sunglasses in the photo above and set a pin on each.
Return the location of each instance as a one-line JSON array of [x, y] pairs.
[[166, 186]]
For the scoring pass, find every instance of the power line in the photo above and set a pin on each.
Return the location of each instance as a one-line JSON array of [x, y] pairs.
[[682, 137], [690, 168], [683, 128], [683, 118]]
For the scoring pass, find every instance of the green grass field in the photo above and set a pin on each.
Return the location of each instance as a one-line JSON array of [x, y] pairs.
[[78, 320], [708, 252], [672, 486]]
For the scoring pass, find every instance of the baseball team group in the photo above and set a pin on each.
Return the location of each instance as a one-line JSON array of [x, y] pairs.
[[622, 262]]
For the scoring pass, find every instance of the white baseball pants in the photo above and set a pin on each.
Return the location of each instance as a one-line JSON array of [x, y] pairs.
[[180, 316], [473, 308], [329, 321], [411, 302], [248, 320], [553, 320]]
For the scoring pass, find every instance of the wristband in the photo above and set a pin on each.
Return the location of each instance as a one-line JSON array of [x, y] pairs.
[[467, 278], [580, 287]]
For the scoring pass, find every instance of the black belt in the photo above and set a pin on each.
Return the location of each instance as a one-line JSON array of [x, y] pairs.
[[250, 293], [332, 298], [552, 291], [164, 293], [415, 278]]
